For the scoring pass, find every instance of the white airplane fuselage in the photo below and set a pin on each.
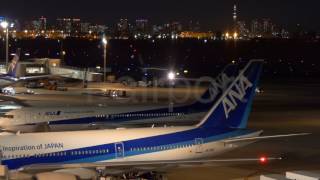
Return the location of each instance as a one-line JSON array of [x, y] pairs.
[[115, 146], [28, 119]]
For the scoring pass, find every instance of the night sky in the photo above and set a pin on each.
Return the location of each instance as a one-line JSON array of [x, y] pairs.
[[213, 14]]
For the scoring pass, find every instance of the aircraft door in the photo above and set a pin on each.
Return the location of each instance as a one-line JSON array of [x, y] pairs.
[[119, 150], [1, 156], [27, 117], [199, 145]]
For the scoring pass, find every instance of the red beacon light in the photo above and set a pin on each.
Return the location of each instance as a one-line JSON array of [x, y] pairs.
[[263, 160]]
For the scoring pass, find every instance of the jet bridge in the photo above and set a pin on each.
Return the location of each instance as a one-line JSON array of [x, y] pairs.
[[76, 73], [44, 66]]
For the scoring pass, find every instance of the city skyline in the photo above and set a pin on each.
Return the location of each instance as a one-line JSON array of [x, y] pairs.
[[215, 15], [141, 28]]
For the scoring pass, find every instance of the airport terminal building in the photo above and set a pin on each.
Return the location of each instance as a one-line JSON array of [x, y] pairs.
[[45, 66]]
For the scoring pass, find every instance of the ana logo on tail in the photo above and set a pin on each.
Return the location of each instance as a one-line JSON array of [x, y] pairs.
[[220, 84], [237, 92]]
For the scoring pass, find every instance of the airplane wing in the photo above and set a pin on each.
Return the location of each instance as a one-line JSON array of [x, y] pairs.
[[233, 140], [152, 165], [42, 76], [14, 100]]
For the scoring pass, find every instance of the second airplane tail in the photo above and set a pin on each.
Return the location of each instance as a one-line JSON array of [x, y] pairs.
[[12, 68]]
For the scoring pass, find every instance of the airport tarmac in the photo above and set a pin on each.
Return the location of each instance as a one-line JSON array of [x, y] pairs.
[[78, 96], [285, 106]]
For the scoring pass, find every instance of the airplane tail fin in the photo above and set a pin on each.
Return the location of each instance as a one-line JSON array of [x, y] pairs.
[[233, 108], [219, 85], [12, 68], [216, 88]]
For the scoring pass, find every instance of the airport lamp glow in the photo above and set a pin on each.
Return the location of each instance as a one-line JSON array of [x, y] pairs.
[[171, 76], [4, 25], [105, 42], [235, 35]]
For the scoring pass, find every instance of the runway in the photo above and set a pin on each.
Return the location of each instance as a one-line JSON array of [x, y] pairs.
[[285, 106]]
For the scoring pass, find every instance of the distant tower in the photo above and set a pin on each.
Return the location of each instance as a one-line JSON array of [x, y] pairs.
[[234, 12], [234, 17], [43, 23]]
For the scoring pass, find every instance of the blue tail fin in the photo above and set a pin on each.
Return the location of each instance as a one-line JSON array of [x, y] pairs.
[[12, 69], [216, 88], [233, 108]]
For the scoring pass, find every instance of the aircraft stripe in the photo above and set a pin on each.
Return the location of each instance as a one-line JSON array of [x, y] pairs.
[[162, 140]]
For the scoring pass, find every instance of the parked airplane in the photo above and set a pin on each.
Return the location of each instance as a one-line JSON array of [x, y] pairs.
[[30, 119], [221, 130]]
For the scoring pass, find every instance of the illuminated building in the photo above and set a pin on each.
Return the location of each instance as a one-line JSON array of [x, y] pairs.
[[267, 26], [75, 26], [142, 26], [157, 29], [196, 35], [36, 25], [242, 29], [122, 29], [84, 27], [255, 28], [98, 29], [43, 23], [64, 24], [69, 26], [175, 27], [194, 26]]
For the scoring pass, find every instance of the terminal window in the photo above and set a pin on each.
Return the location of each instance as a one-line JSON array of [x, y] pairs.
[[35, 70]]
